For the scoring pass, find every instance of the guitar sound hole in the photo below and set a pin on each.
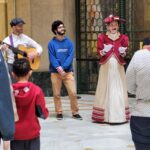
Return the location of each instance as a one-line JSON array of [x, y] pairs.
[[33, 61]]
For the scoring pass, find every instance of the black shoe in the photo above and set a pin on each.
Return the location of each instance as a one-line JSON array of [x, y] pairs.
[[59, 116], [77, 116], [120, 123]]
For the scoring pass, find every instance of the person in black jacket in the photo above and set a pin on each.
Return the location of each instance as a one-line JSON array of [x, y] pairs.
[[7, 126]]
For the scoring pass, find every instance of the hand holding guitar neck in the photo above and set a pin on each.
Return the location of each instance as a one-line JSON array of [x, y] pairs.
[[16, 51]]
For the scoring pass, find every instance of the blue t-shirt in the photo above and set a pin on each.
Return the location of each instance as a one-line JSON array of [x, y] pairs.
[[61, 53]]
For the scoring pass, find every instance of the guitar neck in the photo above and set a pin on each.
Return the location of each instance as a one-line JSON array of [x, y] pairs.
[[15, 50]]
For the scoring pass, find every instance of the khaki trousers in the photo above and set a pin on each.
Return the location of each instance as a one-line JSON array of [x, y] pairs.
[[69, 82]]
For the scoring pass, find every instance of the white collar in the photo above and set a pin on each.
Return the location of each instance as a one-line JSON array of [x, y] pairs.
[[17, 36]]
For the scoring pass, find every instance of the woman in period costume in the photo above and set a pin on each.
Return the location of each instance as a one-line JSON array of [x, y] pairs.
[[111, 99]]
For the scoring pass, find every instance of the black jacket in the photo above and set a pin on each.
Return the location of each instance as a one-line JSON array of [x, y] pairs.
[[7, 125]]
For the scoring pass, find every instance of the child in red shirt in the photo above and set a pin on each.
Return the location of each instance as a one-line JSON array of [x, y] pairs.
[[30, 105]]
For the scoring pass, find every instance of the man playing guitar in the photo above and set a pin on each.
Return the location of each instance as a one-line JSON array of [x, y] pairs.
[[16, 39]]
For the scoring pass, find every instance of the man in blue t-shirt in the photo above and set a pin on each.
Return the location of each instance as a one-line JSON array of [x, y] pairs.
[[61, 53]]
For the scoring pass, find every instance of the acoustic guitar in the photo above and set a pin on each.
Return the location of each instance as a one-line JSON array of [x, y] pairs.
[[34, 63], [22, 52]]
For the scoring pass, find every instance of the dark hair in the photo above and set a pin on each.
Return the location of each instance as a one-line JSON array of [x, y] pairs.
[[16, 21], [146, 41], [55, 25], [21, 67]]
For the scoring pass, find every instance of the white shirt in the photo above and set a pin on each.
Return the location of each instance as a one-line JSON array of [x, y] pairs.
[[21, 39], [138, 82]]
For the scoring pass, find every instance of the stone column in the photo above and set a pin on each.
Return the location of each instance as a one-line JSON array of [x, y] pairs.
[[11, 9], [3, 19], [23, 10]]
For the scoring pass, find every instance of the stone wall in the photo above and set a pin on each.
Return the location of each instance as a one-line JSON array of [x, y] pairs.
[[38, 15]]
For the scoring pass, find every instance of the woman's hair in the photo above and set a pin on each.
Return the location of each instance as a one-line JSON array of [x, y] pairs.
[[21, 67], [55, 25]]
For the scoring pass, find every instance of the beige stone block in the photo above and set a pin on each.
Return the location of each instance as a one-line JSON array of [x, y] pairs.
[[11, 8], [3, 27], [23, 10]]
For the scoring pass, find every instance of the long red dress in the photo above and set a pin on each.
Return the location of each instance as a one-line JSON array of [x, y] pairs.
[[111, 100]]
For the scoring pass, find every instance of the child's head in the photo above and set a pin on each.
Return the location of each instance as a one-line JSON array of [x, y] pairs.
[[21, 68]]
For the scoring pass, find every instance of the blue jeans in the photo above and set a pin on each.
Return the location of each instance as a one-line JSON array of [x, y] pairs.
[[140, 129]]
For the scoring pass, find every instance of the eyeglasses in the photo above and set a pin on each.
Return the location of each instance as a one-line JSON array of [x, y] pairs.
[[60, 27]]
